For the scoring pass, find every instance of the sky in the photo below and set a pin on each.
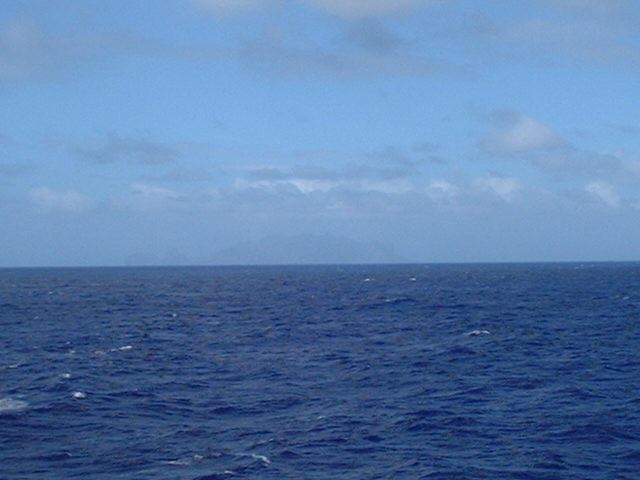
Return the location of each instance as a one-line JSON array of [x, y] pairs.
[[318, 131]]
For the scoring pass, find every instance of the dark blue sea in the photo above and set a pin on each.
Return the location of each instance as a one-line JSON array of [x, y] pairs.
[[520, 371]]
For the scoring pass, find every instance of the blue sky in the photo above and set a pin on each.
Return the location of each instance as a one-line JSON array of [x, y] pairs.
[[185, 131]]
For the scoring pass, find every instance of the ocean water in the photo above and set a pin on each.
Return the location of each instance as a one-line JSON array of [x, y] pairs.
[[528, 371]]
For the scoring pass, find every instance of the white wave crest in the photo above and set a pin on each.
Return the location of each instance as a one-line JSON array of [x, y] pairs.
[[8, 405], [262, 458], [478, 332]]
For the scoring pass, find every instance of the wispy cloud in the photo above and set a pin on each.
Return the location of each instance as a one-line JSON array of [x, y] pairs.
[[442, 191], [585, 40], [616, 167], [590, 31], [367, 8], [388, 170], [293, 183], [118, 148], [342, 8], [47, 200], [154, 192], [371, 35], [626, 129], [183, 175], [24, 49], [12, 169], [364, 47], [503, 187], [514, 133], [28, 51], [603, 192], [224, 7], [598, 8], [277, 58], [5, 139], [145, 197]]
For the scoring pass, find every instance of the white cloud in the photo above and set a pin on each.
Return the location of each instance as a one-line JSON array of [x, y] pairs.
[[151, 198], [152, 192], [47, 200], [515, 133], [343, 8], [307, 185], [221, 7], [441, 190], [604, 192], [298, 185], [389, 172], [504, 187], [366, 8]]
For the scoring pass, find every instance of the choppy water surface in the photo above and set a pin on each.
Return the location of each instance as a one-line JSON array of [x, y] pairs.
[[404, 372]]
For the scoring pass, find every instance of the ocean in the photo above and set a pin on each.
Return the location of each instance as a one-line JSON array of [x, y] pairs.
[[497, 371]]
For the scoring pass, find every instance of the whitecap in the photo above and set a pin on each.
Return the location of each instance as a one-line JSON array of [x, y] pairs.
[[181, 462], [79, 395], [121, 349], [65, 375], [9, 405], [478, 332], [262, 458]]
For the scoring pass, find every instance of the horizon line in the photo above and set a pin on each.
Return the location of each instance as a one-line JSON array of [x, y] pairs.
[[311, 264]]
